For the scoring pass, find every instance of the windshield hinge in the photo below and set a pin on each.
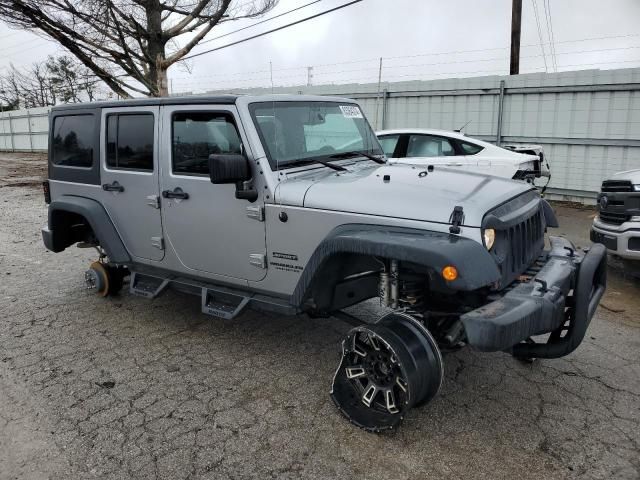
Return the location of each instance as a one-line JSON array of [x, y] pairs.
[[256, 212], [154, 201], [258, 260], [456, 219], [158, 242]]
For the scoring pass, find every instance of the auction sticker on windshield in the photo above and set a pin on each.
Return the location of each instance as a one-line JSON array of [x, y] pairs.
[[350, 111]]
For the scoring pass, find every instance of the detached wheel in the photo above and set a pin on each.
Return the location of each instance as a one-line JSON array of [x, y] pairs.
[[386, 369], [104, 279]]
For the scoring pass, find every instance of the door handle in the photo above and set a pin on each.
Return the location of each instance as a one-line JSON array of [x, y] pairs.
[[113, 187], [454, 165], [175, 193]]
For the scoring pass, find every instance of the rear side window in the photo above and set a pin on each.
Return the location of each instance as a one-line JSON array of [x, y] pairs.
[[388, 143], [429, 146], [73, 141], [196, 135], [130, 139], [470, 148]]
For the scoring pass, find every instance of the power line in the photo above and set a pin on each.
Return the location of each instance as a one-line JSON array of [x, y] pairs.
[[272, 30], [9, 35], [553, 38], [371, 78], [535, 11], [260, 22], [551, 43], [364, 68]]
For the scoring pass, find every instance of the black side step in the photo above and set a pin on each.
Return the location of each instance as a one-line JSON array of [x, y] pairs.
[[222, 304], [147, 286]]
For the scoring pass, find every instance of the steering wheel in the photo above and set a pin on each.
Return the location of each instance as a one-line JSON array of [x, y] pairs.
[[326, 149]]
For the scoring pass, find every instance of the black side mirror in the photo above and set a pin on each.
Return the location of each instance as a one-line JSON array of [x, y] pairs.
[[233, 168], [230, 168]]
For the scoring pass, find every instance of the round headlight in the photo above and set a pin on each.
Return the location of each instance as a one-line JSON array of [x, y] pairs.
[[489, 236]]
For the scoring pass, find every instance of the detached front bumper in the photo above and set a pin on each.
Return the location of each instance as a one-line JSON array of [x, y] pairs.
[[559, 296]]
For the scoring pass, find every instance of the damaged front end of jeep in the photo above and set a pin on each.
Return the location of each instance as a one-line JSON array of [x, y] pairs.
[[444, 291]]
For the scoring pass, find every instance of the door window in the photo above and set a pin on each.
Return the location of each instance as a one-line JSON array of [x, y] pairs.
[[470, 148], [196, 135], [72, 140], [130, 141], [429, 146], [388, 143]]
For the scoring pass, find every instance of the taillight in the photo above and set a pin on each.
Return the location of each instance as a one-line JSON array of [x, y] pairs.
[[46, 191]]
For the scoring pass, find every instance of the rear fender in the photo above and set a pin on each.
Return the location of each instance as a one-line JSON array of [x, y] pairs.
[[65, 210]]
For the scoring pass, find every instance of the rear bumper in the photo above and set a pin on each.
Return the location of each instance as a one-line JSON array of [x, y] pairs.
[[560, 298]]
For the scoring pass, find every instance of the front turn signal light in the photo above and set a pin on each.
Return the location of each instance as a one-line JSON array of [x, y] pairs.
[[449, 273]]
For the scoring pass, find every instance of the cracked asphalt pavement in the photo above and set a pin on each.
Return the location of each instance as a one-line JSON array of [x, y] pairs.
[[130, 388]]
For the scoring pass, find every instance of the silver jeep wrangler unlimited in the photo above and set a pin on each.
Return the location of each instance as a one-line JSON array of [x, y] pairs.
[[287, 204]]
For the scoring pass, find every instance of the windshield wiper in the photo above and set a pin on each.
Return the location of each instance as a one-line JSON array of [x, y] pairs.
[[358, 154], [332, 166]]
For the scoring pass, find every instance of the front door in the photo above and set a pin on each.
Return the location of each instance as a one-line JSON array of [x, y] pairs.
[[129, 162], [209, 229], [436, 150]]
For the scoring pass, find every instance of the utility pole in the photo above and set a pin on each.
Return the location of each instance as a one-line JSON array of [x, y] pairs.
[[378, 94], [516, 21], [309, 76]]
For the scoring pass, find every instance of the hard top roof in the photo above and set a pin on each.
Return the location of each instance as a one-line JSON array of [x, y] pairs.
[[198, 100]]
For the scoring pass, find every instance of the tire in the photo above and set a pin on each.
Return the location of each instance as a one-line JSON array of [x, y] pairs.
[[386, 369]]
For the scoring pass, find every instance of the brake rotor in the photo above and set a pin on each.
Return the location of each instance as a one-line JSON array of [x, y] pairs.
[[97, 277], [386, 369]]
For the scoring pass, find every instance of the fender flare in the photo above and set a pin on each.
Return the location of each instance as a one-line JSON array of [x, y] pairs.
[[436, 250], [98, 219], [549, 215]]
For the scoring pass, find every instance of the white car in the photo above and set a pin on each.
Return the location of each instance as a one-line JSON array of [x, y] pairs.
[[454, 149]]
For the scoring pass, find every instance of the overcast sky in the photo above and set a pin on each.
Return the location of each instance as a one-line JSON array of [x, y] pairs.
[[416, 39]]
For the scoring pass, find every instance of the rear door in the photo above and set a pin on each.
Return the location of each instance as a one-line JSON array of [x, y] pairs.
[[129, 163]]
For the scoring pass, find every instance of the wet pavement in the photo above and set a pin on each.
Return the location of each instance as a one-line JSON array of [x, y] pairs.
[[130, 388]]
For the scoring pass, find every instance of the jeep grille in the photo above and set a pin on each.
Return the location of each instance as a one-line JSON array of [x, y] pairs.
[[519, 243], [526, 240]]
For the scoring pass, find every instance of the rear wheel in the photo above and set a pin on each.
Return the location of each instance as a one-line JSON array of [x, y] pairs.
[[105, 279], [386, 368]]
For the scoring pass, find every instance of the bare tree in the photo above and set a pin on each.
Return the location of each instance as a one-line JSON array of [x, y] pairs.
[[129, 44], [27, 88], [58, 80]]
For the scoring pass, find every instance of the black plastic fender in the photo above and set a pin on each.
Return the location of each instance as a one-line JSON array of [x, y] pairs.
[[56, 239], [549, 215], [476, 267]]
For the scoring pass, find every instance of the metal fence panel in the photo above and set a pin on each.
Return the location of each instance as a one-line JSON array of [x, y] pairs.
[[24, 130]]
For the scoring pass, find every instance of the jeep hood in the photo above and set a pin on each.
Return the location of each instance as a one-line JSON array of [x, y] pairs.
[[400, 191]]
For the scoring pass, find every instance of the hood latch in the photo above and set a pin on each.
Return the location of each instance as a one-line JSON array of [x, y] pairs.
[[456, 219]]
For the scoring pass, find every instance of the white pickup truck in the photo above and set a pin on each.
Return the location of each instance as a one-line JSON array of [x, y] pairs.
[[617, 225]]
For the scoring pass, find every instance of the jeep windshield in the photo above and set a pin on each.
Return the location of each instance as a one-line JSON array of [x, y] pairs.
[[300, 133]]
